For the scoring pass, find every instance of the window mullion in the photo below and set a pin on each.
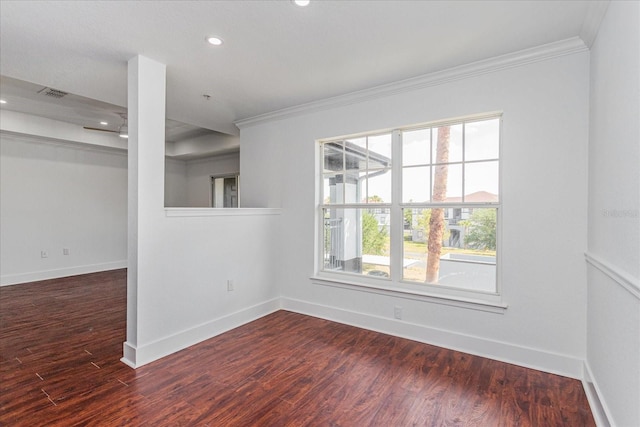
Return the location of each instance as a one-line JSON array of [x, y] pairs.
[[397, 229]]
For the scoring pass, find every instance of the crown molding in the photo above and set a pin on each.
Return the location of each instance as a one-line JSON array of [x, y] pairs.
[[596, 10], [502, 62]]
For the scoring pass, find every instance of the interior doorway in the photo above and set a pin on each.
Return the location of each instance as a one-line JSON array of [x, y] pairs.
[[224, 191]]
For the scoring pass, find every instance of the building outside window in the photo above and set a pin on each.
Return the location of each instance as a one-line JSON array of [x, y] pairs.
[[416, 206]]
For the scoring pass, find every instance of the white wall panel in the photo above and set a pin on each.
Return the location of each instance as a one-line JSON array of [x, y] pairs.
[[199, 173], [613, 324], [175, 183], [55, 196], [544, 160]]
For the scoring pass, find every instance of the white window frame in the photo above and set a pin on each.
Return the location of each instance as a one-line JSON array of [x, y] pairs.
[[395, 285]]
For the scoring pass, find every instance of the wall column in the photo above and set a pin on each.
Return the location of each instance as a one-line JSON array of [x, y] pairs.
[[146, 117]]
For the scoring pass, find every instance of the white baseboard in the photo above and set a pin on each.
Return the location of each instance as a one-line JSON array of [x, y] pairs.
[[504, 352], [136, 356], [14, 279], [597, 404]]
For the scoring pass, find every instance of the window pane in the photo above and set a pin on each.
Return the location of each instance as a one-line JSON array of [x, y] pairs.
[[354, 186], [447, 183], [448, 171], [481, 182], [333, 156], [416, 183], [467, 256], [358, 142], [379, 186], [379, 151], [415, 243], [355, 154], [416, 147], [357, 241], [333, 189], [450, 139], [482, 140]]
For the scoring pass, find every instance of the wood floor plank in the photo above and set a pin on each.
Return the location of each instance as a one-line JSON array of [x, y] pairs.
[[61, 343]]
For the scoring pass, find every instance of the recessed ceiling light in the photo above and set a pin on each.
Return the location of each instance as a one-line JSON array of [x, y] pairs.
[[216, 41], [2, 101], [302, 3], [104, 123]]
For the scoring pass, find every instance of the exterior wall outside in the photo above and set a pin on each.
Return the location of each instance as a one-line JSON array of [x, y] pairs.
[[545, 131], [613, 254]]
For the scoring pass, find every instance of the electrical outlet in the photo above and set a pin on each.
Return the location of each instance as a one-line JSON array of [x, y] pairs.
[[397, 312], [44, 254], [229, 285], [65, 251]]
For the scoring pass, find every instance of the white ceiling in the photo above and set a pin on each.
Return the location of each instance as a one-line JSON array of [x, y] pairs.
[[30, 98], [275, 54]]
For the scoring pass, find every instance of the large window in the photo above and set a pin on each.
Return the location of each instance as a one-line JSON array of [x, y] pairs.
[[416, 206]]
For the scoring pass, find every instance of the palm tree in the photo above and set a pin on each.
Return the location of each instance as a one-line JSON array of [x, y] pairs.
[[436, 222]]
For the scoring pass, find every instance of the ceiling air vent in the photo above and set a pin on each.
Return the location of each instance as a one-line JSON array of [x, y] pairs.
[[54, 93]]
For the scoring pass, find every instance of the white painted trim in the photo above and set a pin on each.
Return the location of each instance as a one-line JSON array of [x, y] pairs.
[[523, 356], [76, 145], [598, 406], [190, 212], [631, 284], [128, 354], [386, 289], [596, 10], [223, 156], [34, 276], [536, 54], [136, 356]]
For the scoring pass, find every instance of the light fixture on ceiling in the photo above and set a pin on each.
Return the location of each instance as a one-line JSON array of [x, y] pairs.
[[214, 40], [2, 101], [301, 3], [123, 130]]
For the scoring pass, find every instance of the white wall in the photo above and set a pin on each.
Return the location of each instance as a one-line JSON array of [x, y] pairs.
[[175, 183], [544, 166], [192, 255], [180, 260], [56, 195], [25, 124], [188, 183], [613, 323], [199, 172]]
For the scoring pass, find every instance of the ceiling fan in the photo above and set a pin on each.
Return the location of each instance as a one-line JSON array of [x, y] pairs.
[[123, 130]]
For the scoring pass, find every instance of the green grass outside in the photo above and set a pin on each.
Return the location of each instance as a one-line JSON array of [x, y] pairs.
[[421, 248]]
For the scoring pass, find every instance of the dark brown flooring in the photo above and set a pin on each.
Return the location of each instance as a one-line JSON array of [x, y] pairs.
[[61, 341]]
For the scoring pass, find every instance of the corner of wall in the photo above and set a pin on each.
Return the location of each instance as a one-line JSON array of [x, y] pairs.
[[598, 409]]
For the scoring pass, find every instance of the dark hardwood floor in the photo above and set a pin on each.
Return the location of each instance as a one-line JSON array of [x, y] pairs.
[[61, 341]]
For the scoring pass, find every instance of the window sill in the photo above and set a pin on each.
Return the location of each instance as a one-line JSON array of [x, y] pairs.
[[396, 291], [190, 212]]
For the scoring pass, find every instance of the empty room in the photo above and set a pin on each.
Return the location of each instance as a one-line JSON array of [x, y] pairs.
[[320, 213]]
